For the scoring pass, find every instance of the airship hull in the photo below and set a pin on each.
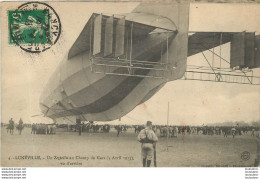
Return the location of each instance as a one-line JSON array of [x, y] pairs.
[[91, 96], [152, 34]]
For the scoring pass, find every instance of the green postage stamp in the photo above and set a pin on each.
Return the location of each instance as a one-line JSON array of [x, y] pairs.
[[34, 26]]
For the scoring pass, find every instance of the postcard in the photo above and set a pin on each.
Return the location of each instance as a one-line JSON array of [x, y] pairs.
[[130, 84]]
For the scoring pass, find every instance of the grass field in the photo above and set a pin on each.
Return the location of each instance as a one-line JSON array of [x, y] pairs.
[[67, 149]]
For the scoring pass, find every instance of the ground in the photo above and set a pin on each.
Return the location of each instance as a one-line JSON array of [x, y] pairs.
[[108, 150]]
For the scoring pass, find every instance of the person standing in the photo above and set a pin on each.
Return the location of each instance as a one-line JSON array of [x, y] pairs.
[[79, 125], [225, 131], [33, 129], [176, 131], [233, 132], [158, 131], [20, 126], [119, 130], [148, 139], [11, 126], [253, 132]]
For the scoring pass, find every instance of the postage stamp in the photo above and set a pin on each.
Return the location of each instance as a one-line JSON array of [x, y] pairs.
[[34, 26]]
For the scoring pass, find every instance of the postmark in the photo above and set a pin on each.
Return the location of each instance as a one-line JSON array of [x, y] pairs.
[[34, 27], [245, 155]]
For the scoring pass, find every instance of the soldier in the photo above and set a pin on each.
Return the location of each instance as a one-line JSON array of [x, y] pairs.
[[33, 129], [176, 131], [233, 132], [11, 126], [79, 125], [224, 131], [148, 139], [253, 132], [20, 126], [119, 130]]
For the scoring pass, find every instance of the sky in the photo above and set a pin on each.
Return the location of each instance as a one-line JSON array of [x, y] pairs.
[[24, 75]]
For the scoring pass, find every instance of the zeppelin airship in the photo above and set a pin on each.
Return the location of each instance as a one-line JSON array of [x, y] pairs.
[[121, 61]]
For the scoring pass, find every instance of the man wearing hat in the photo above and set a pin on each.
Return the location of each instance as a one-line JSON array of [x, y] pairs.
[[148, 139]]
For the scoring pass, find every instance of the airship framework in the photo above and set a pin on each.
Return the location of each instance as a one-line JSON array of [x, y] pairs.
[[121, 61]]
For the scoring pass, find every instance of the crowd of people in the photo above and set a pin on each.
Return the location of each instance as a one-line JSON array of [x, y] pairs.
[[86, 127], [43, 128], [171, 131], [36, 128], [160, 130], [175, 131]]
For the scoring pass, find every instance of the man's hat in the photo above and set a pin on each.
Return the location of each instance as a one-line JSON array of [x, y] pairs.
[[148, 123]]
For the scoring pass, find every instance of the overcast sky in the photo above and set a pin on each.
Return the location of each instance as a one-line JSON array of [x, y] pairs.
[[191, 102]]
